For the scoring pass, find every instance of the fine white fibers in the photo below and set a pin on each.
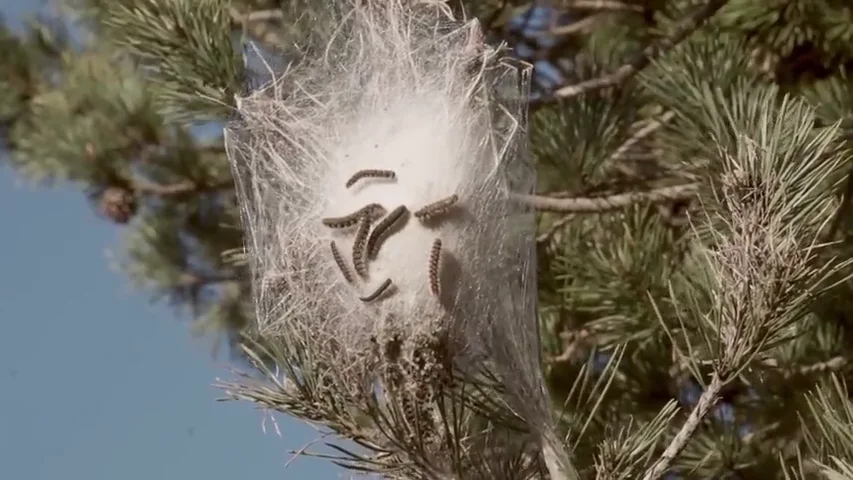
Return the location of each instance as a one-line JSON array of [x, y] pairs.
[[398, 91], [431, 149], [399, 88]]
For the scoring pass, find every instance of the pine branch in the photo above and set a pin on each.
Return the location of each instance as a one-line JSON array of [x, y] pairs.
[[683, 29], [700, 411], [183, 46], [609, 203], [187, 47]]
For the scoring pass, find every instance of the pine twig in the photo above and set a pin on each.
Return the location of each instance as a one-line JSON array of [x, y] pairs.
[[683, 29], [256, 24], [559, 466], [176, 189], [553, 229], [609, 203], [612, 5], [193, 280], [572, 341], [641, 134], [706, 401], [834, 364], [843, 209], [583, 25], [489, 21], [272, 14]]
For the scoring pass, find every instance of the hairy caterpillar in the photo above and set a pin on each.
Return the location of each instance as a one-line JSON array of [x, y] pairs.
[[434, 264], [378, 233], [336, 254], [372, 210], [358, 250], [379, 291], [370, 173], [437, 208]]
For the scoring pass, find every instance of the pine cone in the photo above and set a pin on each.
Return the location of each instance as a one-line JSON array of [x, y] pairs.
[[118, 204]]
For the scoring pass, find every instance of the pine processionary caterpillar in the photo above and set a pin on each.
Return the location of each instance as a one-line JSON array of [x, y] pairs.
[[437, 208], [358, 246], [339, 259], [376, 235], [434, 264], [372, 210], [379, 291], [370, 173]]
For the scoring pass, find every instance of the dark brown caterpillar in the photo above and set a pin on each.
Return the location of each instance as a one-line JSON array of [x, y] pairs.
[[416, 412], [378, 233], [336, 254], [434, 264], [379, 291], [358, 250], [437, 208], [370, 173], [373, 210]]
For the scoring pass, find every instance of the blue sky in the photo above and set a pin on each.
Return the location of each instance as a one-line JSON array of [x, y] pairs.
[[98, 383]]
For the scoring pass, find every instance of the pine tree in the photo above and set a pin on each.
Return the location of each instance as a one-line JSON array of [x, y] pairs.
[[694, 246]]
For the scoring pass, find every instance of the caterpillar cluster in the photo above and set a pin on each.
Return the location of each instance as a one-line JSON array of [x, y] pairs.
[[367, 241]]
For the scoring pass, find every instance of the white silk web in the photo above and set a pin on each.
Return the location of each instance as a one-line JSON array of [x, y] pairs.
[[406, 131]]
